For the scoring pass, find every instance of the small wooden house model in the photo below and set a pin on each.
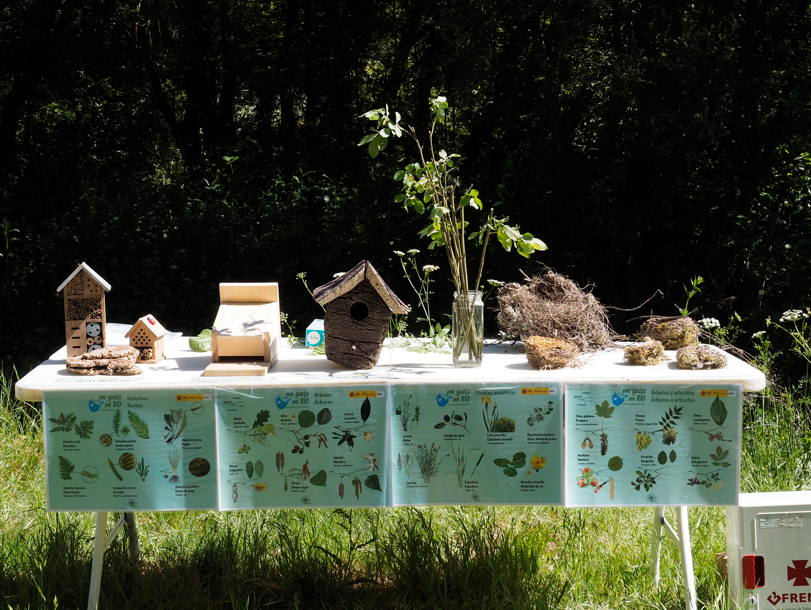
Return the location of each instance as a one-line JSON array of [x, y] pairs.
[[146, 335], [358, 307], [247, 332], [85, 315]]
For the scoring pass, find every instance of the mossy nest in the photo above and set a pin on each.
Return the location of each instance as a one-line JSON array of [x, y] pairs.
[[546, 354], [553, 306], [674, 331], [649, 353], [700, 357]]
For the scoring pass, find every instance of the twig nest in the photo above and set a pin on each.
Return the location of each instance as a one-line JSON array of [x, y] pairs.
[[700, 357], [546, 354], [674, 332], [648, 353], [551, 305]]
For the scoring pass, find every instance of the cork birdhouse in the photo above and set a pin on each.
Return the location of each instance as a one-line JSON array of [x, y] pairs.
[[146, 335], [247, 331], [358, 307]]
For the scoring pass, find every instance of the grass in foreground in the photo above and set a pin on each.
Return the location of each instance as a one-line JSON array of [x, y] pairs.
[[450, 557]]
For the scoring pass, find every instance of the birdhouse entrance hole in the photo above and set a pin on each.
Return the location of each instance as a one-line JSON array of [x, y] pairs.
[[359, 311]]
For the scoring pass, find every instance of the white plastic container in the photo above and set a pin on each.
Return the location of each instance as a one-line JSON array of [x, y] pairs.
[[769, 550]]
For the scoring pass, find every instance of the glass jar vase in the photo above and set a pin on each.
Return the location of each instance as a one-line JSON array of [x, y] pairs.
[[467, 329]]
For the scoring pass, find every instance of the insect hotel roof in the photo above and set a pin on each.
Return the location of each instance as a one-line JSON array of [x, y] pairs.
[[86, 268], [360, 272], [153, 328]]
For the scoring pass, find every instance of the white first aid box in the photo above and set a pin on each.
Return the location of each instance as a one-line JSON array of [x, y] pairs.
[[769, 550]]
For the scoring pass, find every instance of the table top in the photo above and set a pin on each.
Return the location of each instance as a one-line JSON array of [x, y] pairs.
[[183, 369]]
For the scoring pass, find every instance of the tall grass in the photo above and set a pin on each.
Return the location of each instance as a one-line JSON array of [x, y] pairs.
[[440, 557]]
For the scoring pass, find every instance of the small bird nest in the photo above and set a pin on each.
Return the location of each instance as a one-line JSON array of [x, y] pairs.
[[674, 332], [546, 354], [648, 353], [700, 357], [553, 306]]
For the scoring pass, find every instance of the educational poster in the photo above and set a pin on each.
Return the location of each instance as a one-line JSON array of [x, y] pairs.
[[321, 446], [652, 444], [129, 451], [476, 444]]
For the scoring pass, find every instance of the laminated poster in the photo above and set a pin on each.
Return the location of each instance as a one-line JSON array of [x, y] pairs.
[[321, 446], [476, 444], [652, 444], [130, 450]]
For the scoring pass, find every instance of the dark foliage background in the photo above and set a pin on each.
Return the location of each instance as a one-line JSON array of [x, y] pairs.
[[175, 144]]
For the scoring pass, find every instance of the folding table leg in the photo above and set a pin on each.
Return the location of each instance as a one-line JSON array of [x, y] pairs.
[[99, 546], [656, 542], [682, 540]]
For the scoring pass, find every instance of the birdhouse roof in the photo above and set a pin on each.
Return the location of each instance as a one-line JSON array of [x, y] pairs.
[[85, 267], [152, 326], [360, 272]]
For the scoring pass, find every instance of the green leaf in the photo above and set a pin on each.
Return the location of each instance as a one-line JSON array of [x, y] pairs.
[[373, 146], [367, 138], [306, 418], [615, 463], [260, 468], [65, 468], [319, 479], [672, 456], [457, 418], [138, 425], [365, 409], [399, 177], [604, 410], [510, 472], [85, 428], [662, 458], [261, 418], [501, 462], [440, 425], [725, 464], [373, 482], [519, 463], [249, 469], [520, 456], [202, 342], [324, 417], [718, 411]]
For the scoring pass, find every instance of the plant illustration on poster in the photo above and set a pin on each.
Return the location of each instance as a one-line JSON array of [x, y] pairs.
[[664, 446], [474, 451], [101, 455], [292, 446]]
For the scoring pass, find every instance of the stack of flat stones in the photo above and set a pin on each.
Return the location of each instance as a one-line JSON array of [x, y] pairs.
[[117, 360]]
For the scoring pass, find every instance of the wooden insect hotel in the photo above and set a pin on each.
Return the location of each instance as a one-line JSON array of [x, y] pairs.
[[85, 316], [146, 335], [358, 308], [247, 331]]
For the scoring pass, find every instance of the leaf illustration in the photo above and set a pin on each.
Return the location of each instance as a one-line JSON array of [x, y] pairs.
[[280, 461], [85, 428], [306, 419], [324, 417], [510, 472], [65, 468], [260, 468], [519, 456], [373, 482], [501, 462], [440, 425], [115, 472], [457, 418], [117, 421], [261, 418], [520, 463], [249, 469], [319, 478], [89, 474], [672, 456], [662, 458], [138, 425], [718, 411], [615, 463], [604, 409], [365, 409]]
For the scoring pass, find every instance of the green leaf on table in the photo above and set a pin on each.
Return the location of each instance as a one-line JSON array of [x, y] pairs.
[[202, 342]]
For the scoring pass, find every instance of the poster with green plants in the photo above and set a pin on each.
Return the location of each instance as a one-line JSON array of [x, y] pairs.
[[320, 446], [130, 450], [652, 444], [476, 443]]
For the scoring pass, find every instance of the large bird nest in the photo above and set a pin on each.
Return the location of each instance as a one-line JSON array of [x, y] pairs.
[[673, 331], [551, 305]]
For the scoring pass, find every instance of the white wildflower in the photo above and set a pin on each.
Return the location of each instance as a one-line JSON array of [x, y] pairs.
[[339, 274], [496, 283], [758, 334], [413, 251], [708, 323], [429, 268], [399, 253], [792, 315]]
